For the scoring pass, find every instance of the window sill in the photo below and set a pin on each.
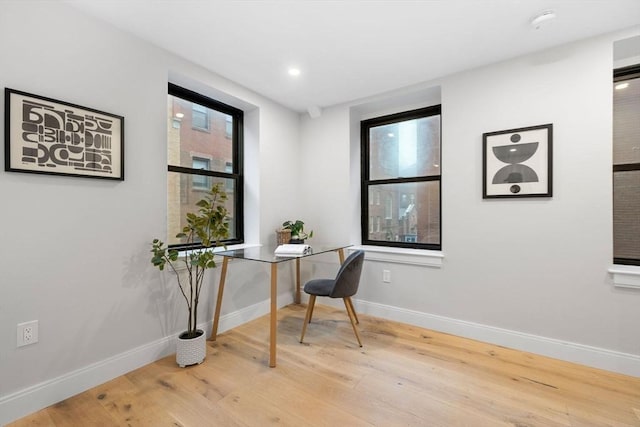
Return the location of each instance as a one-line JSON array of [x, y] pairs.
[[424, 258], [236, 246], [183, 253], [625, 276], [180, 266]]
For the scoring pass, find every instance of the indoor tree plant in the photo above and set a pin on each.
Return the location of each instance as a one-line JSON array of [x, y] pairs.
[[205, 229], [298, 234]]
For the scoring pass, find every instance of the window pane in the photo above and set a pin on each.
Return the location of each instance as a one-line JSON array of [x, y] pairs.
[[183, 194], [626, 121], [186, 139], [414, 210], [405, 149], [626, 217]]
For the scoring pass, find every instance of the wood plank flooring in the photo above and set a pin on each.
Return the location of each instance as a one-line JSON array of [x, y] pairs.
[[403, 376]]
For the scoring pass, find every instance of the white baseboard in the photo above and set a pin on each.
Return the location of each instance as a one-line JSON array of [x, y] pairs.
[[46, 393], [624, 363]]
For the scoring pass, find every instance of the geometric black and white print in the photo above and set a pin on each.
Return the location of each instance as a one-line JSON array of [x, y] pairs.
[[48, 136], [517, 162]]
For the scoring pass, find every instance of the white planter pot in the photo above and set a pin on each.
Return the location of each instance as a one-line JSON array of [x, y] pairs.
[[191, 351]]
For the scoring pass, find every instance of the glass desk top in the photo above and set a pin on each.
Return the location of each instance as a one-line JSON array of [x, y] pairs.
[[266, 253]]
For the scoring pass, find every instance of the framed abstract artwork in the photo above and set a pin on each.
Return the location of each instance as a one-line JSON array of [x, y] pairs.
[[517, 163], [46, 136]]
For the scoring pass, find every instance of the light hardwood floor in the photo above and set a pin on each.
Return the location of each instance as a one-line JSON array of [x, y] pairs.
[[403, 376]]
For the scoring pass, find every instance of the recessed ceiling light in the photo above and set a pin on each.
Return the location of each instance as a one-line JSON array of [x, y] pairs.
[[294, 71], [621, 86], [390, 135]]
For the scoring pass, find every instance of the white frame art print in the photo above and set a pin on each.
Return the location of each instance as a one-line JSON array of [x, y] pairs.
[[517, 163], [46, 136]]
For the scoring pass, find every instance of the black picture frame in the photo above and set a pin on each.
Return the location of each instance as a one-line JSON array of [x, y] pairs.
[[52, 137], [517, 163]]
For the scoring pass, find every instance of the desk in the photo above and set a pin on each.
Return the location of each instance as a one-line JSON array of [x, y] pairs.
[[265, 254]]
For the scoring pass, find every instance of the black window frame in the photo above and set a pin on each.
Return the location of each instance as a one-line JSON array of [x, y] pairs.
[[626, 73], [237, 174], [366, 182]]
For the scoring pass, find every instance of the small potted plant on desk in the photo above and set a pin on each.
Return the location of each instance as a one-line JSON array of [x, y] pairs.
[[204, 230], [298, 234]]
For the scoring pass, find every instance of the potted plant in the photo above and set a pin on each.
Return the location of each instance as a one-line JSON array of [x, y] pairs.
[[298, 234], [204, 230]]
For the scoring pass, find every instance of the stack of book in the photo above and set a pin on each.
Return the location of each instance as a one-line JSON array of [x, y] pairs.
[[293, 250]]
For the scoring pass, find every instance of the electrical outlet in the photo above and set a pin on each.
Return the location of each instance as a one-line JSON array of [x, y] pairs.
[[27, 333], [386, 276]]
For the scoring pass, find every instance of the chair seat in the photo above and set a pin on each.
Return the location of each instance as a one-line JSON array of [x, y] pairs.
[[319, 287]]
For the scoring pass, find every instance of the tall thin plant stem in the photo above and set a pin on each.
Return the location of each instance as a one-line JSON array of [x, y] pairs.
[[209, 227]]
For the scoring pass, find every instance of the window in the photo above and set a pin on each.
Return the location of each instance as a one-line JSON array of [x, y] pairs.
[[197, 160], [626, 165], [388, 207], [201, 182], [229, 169], [401, 165], [228, 126], [200, 117]]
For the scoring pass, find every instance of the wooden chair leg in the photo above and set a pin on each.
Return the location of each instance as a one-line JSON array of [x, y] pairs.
[[353, 310], [307, 319], [312, 303], [351, 318]]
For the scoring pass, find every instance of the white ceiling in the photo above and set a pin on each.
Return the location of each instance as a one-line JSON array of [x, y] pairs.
[[351, 49]]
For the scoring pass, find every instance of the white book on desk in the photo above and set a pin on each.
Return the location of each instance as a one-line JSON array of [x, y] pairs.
[[292, 250]]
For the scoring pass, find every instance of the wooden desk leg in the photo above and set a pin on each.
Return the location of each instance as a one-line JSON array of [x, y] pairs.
[[216, 315], [274, 314], [341, 255], [297, 297]]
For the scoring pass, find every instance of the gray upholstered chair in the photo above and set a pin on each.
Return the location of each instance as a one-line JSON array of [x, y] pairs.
[[344, 286]]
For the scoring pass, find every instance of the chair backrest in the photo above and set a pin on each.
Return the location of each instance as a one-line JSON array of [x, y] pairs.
[[348, 277]]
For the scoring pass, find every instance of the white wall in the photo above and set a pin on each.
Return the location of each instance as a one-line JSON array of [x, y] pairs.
[[325, 176], [74, 252], [530, 274]]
